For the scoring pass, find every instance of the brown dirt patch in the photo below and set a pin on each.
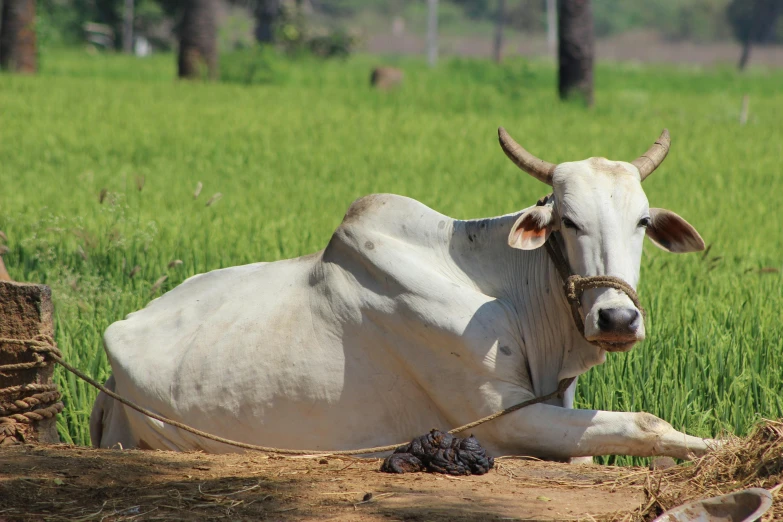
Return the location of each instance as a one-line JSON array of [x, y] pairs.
[[62, 482], [69, 483]]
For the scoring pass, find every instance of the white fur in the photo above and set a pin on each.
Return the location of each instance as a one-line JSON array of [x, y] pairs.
[[408, 320]]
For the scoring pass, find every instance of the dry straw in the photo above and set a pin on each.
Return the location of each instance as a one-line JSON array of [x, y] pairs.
[[157, 284], [739, 463], [214, 199]]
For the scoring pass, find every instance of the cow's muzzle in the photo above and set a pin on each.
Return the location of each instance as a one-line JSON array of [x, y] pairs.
[[619, 320], [618, 328], [614, 328]]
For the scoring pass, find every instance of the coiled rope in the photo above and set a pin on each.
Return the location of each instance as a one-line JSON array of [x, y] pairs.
[[27, 403]]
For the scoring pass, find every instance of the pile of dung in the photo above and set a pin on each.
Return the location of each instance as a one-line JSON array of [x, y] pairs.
[[739, 463], [440, 452]]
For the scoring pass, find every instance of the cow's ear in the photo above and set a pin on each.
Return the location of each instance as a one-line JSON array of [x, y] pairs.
[[532, 229], [672, 233]]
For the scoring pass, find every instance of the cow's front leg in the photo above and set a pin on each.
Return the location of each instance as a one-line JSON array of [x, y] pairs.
[[554, 432]]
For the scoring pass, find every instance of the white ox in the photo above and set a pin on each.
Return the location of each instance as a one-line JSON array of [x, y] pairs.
[[407, 320]]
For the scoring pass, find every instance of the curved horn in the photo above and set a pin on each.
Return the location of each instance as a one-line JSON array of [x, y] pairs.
[[651, 160], [536, 167]]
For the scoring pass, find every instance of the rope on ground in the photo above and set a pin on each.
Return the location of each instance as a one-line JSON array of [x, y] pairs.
[[45, 345]]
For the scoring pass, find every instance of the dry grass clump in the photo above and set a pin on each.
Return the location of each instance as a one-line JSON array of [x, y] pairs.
[[740, 463]]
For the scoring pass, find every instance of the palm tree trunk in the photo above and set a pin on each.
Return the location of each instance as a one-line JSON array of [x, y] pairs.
[[432, 32], [576, 49], [198, 56], [127, 27], [760, 27], [17, 36], [551, 27], [267, 13], [747, 45], [497, 47]]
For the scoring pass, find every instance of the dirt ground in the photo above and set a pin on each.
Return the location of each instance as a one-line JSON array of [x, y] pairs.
[[74, 483], [637, 46]]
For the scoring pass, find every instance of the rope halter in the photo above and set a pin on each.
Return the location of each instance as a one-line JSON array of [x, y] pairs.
[[574, 286]]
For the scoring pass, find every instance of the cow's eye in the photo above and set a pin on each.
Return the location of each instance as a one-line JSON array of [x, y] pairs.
[[569, 224], [644, 222]]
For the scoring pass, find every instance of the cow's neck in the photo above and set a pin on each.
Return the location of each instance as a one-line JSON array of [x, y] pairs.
[[530, 284]]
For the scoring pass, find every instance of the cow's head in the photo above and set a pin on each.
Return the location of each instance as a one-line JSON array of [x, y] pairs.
[[602, 215]]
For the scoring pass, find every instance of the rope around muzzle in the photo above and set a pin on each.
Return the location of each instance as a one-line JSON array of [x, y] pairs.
[[46, 346], [574, 286]]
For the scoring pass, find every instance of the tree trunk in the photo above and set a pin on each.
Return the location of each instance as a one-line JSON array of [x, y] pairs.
[[267, 14], [127, 27], [576, 49], [497, 49], [551, 27], [745, 56], [17, 36], [751, 31], [432, 32], [760, 27], [198, 40]]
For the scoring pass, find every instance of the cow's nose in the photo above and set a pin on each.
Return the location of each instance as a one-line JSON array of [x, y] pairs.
[[618, 319]]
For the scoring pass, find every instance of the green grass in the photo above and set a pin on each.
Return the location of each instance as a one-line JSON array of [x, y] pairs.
[[289, 154]]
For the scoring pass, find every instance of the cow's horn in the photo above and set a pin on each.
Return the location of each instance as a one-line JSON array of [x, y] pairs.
[[536, 167], [650, 160]]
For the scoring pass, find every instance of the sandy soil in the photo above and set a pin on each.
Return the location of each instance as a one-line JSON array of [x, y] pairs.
[[73, 483]]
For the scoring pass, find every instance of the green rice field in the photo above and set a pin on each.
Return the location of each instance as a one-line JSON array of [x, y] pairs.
[[100, 156]]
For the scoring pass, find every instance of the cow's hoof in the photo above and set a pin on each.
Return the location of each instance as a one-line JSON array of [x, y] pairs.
[[702, 447], [581, 460]]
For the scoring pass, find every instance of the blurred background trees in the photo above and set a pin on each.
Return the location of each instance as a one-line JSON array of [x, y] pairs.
[[198, 53], [575, 49], [755, 22], [62, 21], [17, 36], [329, 28]]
